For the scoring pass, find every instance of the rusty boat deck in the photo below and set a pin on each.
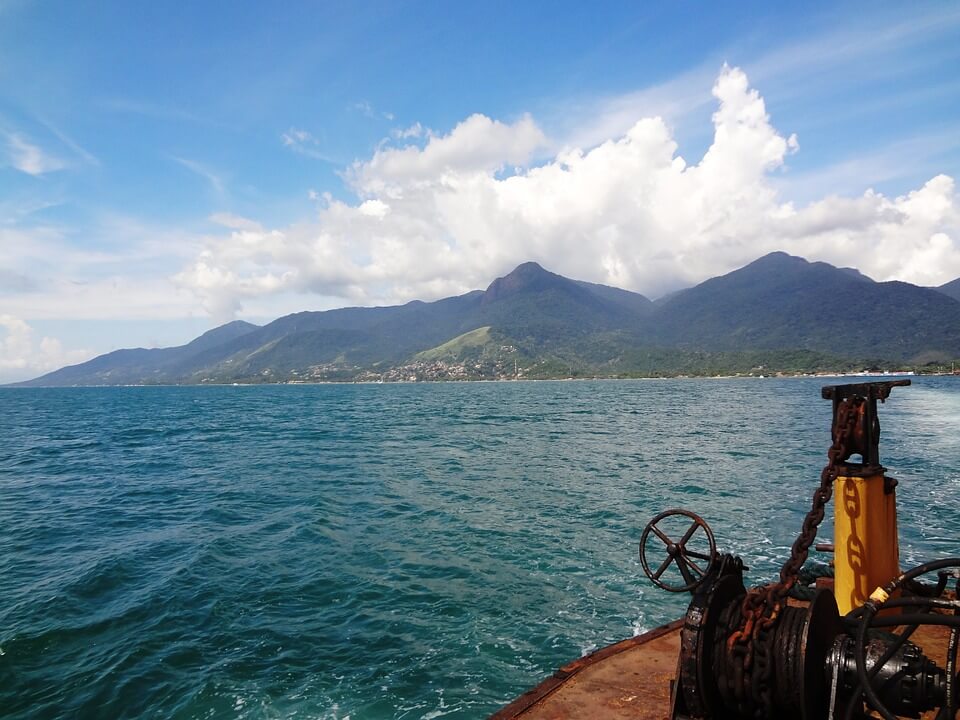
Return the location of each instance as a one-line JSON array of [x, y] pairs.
[[632, 679]]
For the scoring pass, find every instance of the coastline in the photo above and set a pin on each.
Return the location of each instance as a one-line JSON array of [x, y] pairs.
[[778, 376]]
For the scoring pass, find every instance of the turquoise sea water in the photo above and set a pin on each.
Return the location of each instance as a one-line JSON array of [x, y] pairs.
[[391, 551]]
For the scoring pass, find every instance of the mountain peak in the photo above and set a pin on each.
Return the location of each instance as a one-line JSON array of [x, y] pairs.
[[779, 263], [778, 258], [530, 265], [222, 334], [529, 276], [234, 326], [525, 272]]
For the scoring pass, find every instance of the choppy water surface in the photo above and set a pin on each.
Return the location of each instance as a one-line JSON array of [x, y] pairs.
[[391, 551]]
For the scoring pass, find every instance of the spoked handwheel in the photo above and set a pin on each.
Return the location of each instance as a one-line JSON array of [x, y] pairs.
[[693, 565]]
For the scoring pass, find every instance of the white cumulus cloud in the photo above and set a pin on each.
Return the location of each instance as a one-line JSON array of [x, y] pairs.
[[476, 144], [23, 355], [447, 213]]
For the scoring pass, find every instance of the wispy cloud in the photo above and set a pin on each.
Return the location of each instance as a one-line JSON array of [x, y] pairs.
[[69, 142], [365, 108], [15, 209], [305, 143], [588, 122], [878, 38], [843, 56], [905, 159], [235, 222], [121, 273], [29, 158], [156, 111], [201, 170], [13, 282]]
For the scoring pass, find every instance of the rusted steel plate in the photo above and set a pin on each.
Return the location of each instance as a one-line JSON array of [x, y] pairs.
[[630, 679]]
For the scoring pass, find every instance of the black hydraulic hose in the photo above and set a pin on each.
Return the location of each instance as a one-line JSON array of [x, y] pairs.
[[925, 605], [949, 710], [921, 570], [925, 602], [951, 621], [868, 619], [868, 613], [853, 702]]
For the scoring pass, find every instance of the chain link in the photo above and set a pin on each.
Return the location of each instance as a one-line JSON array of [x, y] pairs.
[[761, 607]]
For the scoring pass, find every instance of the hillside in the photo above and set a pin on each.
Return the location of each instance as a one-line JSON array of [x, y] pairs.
[[139, 365], [781, 302], [779, 312], [950, 289]]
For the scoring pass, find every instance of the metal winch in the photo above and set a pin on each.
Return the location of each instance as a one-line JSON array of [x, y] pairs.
[[760, 654]]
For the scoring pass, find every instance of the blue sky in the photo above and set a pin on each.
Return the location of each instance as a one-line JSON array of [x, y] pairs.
[[166, 167]]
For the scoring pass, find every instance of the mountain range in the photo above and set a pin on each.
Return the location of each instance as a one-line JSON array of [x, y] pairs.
[[779, 313]]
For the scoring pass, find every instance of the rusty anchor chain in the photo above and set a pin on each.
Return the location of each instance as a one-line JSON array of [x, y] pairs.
[[761, 608]]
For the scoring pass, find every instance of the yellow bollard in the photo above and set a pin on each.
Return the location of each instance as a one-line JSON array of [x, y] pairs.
[[866, 551], [866, 547]]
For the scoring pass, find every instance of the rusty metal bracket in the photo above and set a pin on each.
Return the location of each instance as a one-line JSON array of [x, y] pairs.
[[865, 440]]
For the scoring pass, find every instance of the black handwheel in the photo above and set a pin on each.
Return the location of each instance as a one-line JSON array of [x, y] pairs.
[[678, 553]]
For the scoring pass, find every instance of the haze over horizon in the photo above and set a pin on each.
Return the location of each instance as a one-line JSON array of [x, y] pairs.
[[163, 173]]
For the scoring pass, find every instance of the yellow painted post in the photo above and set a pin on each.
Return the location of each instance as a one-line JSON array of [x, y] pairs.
[[866, 547]]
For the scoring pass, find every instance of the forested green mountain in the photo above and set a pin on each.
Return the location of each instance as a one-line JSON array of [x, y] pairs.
[[780, 302], [139, 365], [951, 288], [779, 313]]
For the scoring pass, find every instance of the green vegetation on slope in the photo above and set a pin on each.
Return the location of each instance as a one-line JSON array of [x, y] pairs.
[[470, 343]]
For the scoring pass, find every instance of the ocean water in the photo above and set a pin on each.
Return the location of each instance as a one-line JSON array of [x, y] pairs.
[[391, 551]]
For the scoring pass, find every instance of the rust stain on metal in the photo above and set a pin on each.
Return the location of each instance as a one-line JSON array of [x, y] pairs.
[[630, 679]]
